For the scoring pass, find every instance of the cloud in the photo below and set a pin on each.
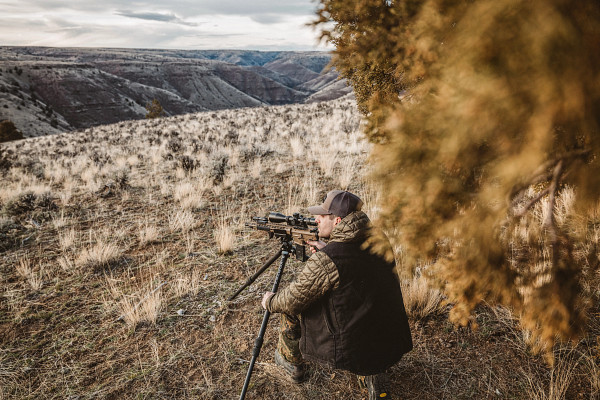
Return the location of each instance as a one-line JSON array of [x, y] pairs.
[[189, 24], [150, 16], [183, 8], [267, 18]]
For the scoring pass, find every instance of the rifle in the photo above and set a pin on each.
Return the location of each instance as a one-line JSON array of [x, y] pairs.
[[293, 232]]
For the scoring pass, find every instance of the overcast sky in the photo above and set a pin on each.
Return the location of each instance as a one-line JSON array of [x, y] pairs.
[[178, 24]]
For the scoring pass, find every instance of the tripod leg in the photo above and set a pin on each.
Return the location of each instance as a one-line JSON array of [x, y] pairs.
[[261, 334], [256, 275]]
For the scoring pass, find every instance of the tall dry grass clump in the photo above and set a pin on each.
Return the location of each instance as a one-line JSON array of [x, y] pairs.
[[181, 221], [100, 254], [470, 105], [186, 284], [142, 307], [67, 239], [224, 234], [256, 168], [189, 195], [66, 263], [32, 277], [347, 174], [327, 161], [420, 298]]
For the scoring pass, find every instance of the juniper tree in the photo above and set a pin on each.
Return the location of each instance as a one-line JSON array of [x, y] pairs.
[[482, 112], [154, 110]]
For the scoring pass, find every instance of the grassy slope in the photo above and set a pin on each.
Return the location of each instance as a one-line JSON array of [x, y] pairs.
[[117, 211]]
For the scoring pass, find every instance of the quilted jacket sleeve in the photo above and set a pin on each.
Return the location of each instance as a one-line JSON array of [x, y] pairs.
[[318, 276]]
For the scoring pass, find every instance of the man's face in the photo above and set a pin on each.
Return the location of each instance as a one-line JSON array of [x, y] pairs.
[[325, 224]]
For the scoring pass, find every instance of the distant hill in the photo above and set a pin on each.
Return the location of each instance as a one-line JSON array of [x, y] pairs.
[[50, 90]]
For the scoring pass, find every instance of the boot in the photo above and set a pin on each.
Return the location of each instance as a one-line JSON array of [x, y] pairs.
[[295, 371], [378, 385]]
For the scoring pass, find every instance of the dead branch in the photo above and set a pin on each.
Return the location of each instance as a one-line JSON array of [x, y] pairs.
[[531, 203], [550, 221], [541, 174]]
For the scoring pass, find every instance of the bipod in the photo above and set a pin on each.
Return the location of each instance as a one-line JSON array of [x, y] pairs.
[[285, 251]]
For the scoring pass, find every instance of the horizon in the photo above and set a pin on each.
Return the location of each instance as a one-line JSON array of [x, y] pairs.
[[318, 50]]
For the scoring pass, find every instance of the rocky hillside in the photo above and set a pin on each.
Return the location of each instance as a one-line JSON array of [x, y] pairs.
[[50, 90]]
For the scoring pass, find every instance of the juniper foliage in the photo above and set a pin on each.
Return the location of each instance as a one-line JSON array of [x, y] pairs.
[[481, 113], [154, 110]]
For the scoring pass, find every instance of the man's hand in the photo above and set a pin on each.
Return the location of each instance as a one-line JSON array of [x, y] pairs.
[[316, 245], [266, 298]]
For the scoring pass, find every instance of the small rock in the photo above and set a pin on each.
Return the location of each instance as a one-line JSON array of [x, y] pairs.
[[181, 311]]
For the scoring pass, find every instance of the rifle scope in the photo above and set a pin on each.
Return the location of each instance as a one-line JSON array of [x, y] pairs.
[[294, 220]]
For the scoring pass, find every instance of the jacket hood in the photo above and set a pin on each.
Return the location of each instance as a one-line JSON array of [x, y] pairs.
[[354, 227]]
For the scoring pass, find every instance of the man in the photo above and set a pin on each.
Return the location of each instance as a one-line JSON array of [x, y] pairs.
[[349, 303]]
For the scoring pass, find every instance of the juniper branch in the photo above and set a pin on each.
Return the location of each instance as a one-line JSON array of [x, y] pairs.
[[550, 221], [531, 203], [542, 174]]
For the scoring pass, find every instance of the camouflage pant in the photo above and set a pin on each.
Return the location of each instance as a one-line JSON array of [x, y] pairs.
[[289, 339]]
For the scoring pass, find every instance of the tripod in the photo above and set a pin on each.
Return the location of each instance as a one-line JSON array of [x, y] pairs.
[[287, 248]]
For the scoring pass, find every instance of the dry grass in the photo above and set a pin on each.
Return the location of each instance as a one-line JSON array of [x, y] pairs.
[[592, 371], [57, 173], [370, 196], [256, 168], [85, 335], [67, 239], [294, 198], [421, 300], [66, 193], [561, 376], [90, 177], [8, 372], [99, 254], [327, 161], [310, 190], [13, 299], [186, 284], [181, 221], [26, 271], [189, 195], [148, 234], [135, 309], [60, 221], [347, 173], [297, 146], [66, 263], [224, 235]]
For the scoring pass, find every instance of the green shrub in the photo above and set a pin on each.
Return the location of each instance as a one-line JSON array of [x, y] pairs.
[[154, 110]]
